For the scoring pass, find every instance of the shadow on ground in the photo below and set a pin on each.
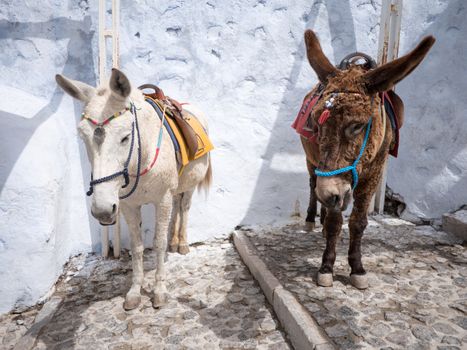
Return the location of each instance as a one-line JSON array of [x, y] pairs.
[[417, 279], [214, 304]]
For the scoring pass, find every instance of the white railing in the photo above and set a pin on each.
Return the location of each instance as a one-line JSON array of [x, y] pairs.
[[388, 49], [105, 33]]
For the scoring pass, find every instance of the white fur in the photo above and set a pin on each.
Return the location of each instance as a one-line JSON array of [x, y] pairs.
[[170, 194]]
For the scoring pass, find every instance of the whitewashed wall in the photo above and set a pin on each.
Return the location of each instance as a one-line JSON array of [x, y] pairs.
[[244, 64], [431, 171]]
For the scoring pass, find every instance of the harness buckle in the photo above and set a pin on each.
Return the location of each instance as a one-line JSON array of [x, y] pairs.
[[126, 176]]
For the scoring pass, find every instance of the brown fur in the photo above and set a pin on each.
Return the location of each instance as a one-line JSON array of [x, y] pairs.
[[333, 150]]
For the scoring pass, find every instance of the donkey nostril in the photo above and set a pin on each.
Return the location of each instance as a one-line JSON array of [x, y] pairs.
[[333, 200], [114, 208]]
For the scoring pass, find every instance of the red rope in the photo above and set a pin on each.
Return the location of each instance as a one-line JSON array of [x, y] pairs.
[[145, 171], [324, 116]]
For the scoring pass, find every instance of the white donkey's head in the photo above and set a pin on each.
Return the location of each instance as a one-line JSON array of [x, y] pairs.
[[106, 129]]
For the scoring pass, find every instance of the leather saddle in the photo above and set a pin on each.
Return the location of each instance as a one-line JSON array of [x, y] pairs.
[[175, 111]]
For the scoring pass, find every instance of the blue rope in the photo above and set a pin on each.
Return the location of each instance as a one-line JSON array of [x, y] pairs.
[[353, 167]]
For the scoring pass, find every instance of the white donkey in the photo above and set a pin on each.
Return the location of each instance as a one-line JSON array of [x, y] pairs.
[[121, 130]]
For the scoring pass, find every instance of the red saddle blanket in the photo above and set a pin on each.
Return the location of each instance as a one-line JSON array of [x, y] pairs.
[[392, 104]]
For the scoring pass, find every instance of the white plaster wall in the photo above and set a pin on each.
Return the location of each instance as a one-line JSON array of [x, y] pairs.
[[244, 64], [43, 213], [431, 171]]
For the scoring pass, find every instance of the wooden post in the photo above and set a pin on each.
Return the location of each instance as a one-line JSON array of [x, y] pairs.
[[103, 34], [388, 49]]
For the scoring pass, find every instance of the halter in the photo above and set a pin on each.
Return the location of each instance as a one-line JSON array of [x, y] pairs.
[[123, 172], [106, 121], [353, 167], [126, 175]]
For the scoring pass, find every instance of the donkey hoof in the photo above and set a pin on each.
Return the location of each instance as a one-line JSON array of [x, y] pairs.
[[359, 281], [310, 226], [325, 279], [173, 248], [132, 301], [159, 300], [183, 249]]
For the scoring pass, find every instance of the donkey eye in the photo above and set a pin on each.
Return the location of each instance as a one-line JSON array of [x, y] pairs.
[[125, 139], [354, 129]]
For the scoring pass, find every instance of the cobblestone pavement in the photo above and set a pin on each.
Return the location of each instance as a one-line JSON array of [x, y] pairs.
[[214, 304], [13, 326], [418, 277]]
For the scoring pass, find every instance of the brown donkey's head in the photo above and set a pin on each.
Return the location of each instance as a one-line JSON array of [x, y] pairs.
[[351, 96]]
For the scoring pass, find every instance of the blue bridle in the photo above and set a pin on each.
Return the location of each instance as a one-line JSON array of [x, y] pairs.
[[353, 167]]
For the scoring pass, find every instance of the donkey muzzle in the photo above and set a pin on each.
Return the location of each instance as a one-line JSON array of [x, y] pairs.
[[106, 215], [333, 192]]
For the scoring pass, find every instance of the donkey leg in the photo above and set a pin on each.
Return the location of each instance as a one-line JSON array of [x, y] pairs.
[[311, 212], [322, 218], [357, 224], [332, 226], [133, 218], [175, 224], [185, 208], [163, 213], [322, 215]]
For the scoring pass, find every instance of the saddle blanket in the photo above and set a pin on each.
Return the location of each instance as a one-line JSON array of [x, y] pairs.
[[302, 125], [181, 149]]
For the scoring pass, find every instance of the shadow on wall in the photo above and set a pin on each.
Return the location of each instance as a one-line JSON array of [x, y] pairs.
[[17, 130], [272, 181], [435, 108]]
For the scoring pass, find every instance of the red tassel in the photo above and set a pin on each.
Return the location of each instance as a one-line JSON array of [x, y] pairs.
[[324, 116]]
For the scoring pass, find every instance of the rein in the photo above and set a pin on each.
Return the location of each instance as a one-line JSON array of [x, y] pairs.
[[158, 147], [353, 168]]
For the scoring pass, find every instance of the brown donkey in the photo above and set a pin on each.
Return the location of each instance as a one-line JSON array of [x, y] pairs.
[[348, 138]]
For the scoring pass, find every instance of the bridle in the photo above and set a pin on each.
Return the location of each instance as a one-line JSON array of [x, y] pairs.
[[353, 167], [124, 172], [346, 62]]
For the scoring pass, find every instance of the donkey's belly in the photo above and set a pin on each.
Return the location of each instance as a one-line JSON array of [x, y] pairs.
[[193, 174]]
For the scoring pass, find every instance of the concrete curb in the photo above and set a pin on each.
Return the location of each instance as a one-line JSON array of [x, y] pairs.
[[303, 331], [456, 223], [44, 316]]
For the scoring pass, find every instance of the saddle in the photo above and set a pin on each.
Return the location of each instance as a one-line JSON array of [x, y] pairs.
[[188, 135], [176, 112]]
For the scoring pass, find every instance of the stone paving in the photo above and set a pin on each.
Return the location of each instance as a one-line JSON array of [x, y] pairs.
[[214, 304], [418, 277], [14, 325]]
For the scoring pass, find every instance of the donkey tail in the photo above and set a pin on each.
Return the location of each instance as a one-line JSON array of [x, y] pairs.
[[205, 184]]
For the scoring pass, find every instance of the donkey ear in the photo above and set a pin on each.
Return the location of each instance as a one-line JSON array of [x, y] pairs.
[[119, 83], [318, 61], [74, 88], [385, 77]]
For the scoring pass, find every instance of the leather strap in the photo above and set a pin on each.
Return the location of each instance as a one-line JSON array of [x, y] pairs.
[[158, 94]]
